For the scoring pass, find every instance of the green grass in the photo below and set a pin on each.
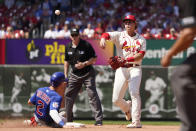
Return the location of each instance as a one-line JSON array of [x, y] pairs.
[[110, 122], [1, 121]]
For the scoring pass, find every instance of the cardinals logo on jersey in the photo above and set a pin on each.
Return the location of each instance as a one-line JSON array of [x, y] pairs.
[[125, 46]]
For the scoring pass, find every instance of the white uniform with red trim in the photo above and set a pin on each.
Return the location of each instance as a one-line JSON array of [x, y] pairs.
[[128, 46]]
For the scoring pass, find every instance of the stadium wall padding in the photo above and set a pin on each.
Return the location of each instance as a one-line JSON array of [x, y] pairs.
[[35, 76], [2, 51]]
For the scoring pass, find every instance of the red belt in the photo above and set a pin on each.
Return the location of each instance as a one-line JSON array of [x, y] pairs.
[[130, 65]]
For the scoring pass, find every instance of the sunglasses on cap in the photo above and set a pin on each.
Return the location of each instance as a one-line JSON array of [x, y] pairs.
[[74, 35]]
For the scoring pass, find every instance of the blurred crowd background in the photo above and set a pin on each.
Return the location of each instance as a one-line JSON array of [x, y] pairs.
[[157, 19]]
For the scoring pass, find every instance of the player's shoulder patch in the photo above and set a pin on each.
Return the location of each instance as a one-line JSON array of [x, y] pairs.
[[55, 104]]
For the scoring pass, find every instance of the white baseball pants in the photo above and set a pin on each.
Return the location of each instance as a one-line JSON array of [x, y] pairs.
[[124, 78]]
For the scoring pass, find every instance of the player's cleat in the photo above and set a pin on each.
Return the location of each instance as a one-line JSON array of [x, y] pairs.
[[98, 123], [31, 122], [136, 124], [128, 114], [73, 125], [27, 122]]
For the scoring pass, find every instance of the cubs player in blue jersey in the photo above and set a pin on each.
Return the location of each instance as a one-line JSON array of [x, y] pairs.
[[48, 103]]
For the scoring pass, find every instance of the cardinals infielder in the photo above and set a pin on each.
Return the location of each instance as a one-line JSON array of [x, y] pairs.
[[131, 46]]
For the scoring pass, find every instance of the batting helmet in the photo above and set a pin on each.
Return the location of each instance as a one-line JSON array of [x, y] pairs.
[[57, 78], [129, 17]]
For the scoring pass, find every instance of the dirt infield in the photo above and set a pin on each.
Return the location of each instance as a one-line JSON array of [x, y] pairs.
[[17, 125]]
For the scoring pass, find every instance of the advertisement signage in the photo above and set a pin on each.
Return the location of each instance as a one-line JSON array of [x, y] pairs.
[[156, 49], [48, 51]]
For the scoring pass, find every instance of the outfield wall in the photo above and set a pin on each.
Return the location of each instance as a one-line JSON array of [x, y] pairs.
[[37, 59], [2, 51], [34, 76]]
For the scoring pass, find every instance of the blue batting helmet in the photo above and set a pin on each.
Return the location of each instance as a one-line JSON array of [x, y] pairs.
[[57, 78]]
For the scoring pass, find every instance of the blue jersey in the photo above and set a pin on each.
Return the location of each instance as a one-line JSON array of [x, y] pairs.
[[45, 100]]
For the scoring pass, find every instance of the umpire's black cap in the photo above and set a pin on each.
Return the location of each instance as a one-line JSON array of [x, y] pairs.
[[74, 31]]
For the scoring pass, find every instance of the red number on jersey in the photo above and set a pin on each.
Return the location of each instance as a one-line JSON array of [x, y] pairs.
[[40, 106]]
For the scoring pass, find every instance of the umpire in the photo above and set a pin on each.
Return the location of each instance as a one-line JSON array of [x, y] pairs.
[[183, 79], [80, 55]]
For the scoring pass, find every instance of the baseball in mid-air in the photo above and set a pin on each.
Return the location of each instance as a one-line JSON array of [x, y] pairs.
[[57, 12]]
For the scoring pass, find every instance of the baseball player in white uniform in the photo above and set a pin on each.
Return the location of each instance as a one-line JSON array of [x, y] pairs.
[[131, 46]]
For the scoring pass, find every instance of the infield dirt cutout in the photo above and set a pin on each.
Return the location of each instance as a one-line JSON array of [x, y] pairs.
[[17, 125]]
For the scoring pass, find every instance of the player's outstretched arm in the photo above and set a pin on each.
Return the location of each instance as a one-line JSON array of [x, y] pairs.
[[29, 102], [104, 37], [57, 119], [183, 42], [32, 100], [102, 43]]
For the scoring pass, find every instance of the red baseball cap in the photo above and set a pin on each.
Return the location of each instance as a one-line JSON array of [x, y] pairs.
[[129, 17]]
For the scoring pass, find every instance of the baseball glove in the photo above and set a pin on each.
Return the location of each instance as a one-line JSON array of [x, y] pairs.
[[116, 61]]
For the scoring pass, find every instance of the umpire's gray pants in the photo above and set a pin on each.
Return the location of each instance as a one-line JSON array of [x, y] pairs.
[[184, 86], [74, 86]]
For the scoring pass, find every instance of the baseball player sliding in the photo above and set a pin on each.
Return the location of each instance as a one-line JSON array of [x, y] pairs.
[[48, 103], [131, 48]]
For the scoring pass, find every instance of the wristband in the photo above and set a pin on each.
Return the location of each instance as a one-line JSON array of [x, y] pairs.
[[106, 36], [66, 79], [130, 59], [142, 52], [61, 123]]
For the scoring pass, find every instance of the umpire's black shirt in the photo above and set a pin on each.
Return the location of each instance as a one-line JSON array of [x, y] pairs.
[[83, 52]]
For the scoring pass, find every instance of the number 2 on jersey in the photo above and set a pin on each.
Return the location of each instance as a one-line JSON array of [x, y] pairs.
[[40, 106]]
